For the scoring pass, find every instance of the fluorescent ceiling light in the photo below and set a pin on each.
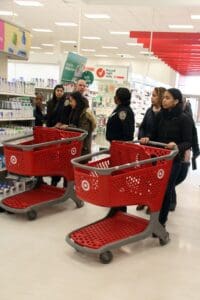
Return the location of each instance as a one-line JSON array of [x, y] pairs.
[[195, 17], [28, 3], [42, 30], [134, 44], [49, 53], [7, 13], [181, 26], [97, 16], [101, 55], [146, 52], [124, 55], [68, 42], [66, 24], [109, 47], [88, 50], [48, 45], [91, 38], [36, 47], [153, 57], [119, 32]]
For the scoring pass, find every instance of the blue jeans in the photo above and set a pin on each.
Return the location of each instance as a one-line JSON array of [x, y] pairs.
[[176, 168]]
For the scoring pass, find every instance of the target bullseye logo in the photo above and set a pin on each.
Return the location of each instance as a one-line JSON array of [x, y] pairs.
[[160, 174], [13, 160], [73, 151], [85, 185]]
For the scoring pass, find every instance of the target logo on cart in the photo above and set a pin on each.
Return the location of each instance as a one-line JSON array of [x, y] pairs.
[[73, 151], [13, 160], [85, 185], [160, 174]]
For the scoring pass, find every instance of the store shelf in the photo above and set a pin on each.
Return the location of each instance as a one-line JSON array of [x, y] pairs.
[[20, 119], [2, 170], [16, 94], [47, 89]]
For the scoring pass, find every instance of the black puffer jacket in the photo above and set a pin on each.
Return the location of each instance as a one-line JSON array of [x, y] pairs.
[[174, 126], [121, 124], [148, 124], [55, 111]]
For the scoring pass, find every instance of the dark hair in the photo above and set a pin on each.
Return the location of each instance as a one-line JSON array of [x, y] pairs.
[[160, 92], [124, 96], [81, 104], [58, 86], [176, 94]]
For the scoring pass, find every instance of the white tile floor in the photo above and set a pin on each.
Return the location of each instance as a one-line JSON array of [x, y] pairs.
[[37, 264]]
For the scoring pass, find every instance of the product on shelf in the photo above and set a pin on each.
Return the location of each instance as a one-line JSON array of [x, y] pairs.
[[15, 109], [16, 86], [10, 132], [44, 83]]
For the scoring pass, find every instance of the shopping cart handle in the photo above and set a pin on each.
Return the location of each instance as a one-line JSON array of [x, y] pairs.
[[157, 144], [45, 144], [107, 171]]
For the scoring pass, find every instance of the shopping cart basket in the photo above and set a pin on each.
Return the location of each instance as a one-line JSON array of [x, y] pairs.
[[127, 174], [48, 153]]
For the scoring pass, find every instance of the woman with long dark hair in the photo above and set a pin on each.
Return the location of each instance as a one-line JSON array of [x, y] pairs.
[[55, 106], [81, 117], [174, 128]]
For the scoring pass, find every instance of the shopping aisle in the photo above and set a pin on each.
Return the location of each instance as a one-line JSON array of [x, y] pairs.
[[36, 262]]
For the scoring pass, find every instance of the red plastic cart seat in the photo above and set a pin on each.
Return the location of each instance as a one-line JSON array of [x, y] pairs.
[[44, 193], [109, 230]]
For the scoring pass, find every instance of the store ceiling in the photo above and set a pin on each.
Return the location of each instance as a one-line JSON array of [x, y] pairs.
[[132, 16]]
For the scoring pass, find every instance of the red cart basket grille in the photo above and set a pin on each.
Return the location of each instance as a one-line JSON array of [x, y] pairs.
[[48, 160], [144, 184]]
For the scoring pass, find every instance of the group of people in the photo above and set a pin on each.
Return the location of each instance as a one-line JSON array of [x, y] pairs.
[[167, 121]]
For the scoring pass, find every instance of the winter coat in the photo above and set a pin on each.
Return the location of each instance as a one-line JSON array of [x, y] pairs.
[[148, 124], [86, 122], [39, 116], [121, 124], [174, 126], [55, 111]]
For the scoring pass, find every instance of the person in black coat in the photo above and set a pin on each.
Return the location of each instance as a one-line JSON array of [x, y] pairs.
[[174, 128], [38, 111], [148, 123], [121, 124], [55, 106]]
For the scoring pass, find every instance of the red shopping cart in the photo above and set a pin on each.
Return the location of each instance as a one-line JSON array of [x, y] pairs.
[[48, 152], [127, 174]]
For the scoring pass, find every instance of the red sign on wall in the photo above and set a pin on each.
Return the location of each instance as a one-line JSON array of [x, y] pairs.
[[100, 72]]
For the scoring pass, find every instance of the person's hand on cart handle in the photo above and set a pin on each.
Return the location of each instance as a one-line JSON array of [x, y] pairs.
[[58, 125], [144, 140], [171, 146], [64, 126]]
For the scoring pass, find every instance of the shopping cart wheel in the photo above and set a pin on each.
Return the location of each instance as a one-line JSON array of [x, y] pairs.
[[79, 204], [2, 210], [31, 215], [165, 241], [106, 257]]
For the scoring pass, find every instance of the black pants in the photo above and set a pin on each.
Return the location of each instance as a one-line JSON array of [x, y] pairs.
[[181, 177], [176, 168]]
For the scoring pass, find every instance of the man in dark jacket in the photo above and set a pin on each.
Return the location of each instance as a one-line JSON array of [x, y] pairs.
[[121, 124]]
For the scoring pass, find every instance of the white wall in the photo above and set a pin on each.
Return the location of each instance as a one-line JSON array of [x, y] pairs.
[[189, 84], [155, 70], [38, 67], [29, 70]]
